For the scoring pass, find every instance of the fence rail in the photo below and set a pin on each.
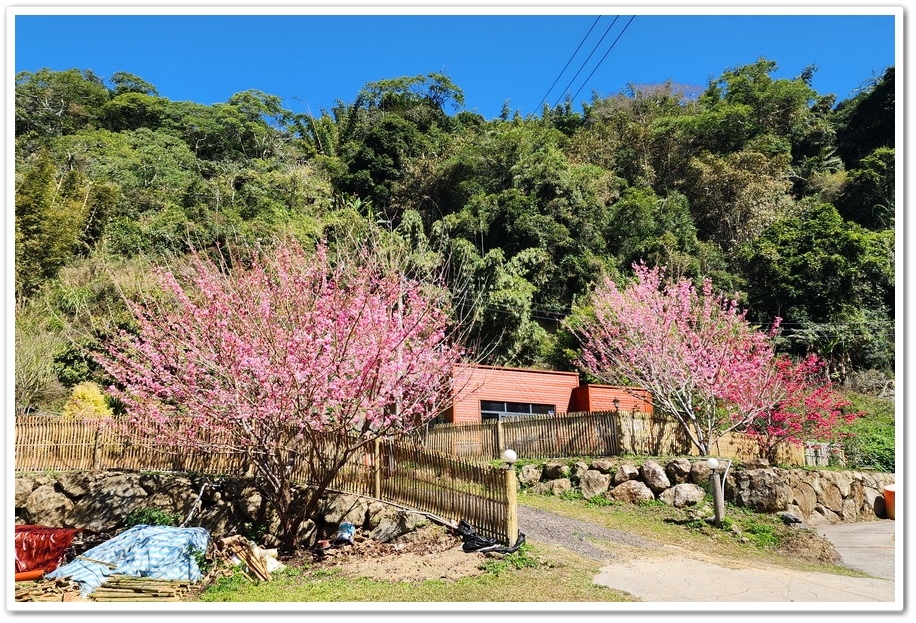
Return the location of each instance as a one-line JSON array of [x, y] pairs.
[[610, 433]]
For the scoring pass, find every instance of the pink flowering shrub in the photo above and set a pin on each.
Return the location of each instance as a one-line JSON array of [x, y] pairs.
[[704, 364], [294, 360]]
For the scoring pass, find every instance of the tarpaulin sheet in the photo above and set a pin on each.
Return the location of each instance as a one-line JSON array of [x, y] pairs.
[[41, 547], [159, 552]]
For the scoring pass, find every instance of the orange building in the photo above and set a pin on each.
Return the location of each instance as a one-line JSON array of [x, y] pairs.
[[492, 392]]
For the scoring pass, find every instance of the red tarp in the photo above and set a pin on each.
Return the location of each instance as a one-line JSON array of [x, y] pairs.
[[41, 547]]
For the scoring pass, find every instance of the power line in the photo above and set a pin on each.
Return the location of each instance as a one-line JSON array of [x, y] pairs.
[[566, 90], [605, 56], [562, 71]]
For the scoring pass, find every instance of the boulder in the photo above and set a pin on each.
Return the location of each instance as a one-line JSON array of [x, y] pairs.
[[578, 468], [24, 488], [683, 495], [558, 486], [345, 508], [108, 501], [48, 507], [625, 472], [396, 525], [602, 465], [761, 490], [678, 470], [529, 475], [594, 482], [654, 476], [554, 470], [631, 491]]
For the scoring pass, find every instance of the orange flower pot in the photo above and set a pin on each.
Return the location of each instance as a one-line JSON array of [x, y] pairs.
[[889, 492]]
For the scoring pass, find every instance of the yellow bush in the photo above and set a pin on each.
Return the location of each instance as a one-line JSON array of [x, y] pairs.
[[86, 401]]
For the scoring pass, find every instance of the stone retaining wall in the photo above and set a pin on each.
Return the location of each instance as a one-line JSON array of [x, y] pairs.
[[816, 496], [101, 501]]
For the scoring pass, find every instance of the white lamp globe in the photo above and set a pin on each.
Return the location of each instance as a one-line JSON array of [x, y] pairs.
[[509, 455], [712, 463]]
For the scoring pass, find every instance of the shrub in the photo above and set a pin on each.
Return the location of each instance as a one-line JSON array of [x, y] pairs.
[[870, 440], [86, 401], [151, 517]]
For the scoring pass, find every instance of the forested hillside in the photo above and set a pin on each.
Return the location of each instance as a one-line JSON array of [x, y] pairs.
[[773, 190]]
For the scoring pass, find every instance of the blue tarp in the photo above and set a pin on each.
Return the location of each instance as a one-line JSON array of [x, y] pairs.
[[160, 552]]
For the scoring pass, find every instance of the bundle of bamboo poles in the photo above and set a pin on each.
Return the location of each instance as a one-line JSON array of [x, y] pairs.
[[131, 588], [46, 590]]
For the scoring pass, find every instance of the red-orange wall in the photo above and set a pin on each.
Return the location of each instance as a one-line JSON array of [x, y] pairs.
[[476, 383], [601, 398]]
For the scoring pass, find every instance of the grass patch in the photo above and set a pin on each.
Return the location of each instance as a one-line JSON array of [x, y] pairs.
[[534, 573], [744, 535]]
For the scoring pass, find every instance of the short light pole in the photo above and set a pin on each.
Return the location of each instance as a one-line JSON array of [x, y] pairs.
[[718, 494], [509, 457]]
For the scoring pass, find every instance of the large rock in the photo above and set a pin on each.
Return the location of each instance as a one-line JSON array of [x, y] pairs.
[[108, 501], [654, 476], [683, 495], [554, 470], [77, 484], [24, 488], [678, 470], [602, 465], [625, 472], [577, 470], [804, 497], [761, 490], [48, 507], [594, 483], [529, 475], [397, 525], [558, 486], [345, 508], [632, 492]]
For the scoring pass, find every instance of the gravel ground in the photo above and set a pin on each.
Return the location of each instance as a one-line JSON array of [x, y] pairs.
[[581, 537]]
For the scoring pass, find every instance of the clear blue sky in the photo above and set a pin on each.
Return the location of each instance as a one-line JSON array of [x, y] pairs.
[[312, 60]]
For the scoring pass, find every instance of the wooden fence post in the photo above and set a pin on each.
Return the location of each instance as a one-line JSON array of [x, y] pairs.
[[500, 437], [511, 505], [95, 446], [377, 471]]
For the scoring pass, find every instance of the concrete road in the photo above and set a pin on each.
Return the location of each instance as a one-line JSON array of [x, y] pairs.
[[676, 575]]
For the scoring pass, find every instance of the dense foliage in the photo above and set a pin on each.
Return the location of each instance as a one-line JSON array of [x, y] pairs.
[[763, 185]]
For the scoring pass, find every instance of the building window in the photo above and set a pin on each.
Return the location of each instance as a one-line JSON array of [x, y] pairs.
[[490, 410]]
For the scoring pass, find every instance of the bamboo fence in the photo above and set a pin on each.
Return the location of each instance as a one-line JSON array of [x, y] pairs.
[[389, 470], [608, 433]]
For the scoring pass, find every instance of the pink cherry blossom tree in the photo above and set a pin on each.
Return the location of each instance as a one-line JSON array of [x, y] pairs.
[[792, 402], [293, 359], [704, 364]]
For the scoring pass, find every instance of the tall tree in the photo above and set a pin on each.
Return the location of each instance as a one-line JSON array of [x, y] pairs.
[[296, 361]]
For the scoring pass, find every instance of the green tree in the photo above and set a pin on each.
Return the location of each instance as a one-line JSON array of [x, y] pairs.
[[52, 103], [129, 83], [52, 211], [830, 280], [868, 196]]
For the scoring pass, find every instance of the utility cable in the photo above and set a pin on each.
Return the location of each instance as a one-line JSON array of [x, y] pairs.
[[586, 60], [562, 71], [605, 56]]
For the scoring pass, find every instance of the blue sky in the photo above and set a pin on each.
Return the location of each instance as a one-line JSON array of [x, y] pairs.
[[312, 60]]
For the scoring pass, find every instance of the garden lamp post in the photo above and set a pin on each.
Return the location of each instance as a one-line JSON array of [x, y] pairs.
[[509, 457], [718, 494]]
